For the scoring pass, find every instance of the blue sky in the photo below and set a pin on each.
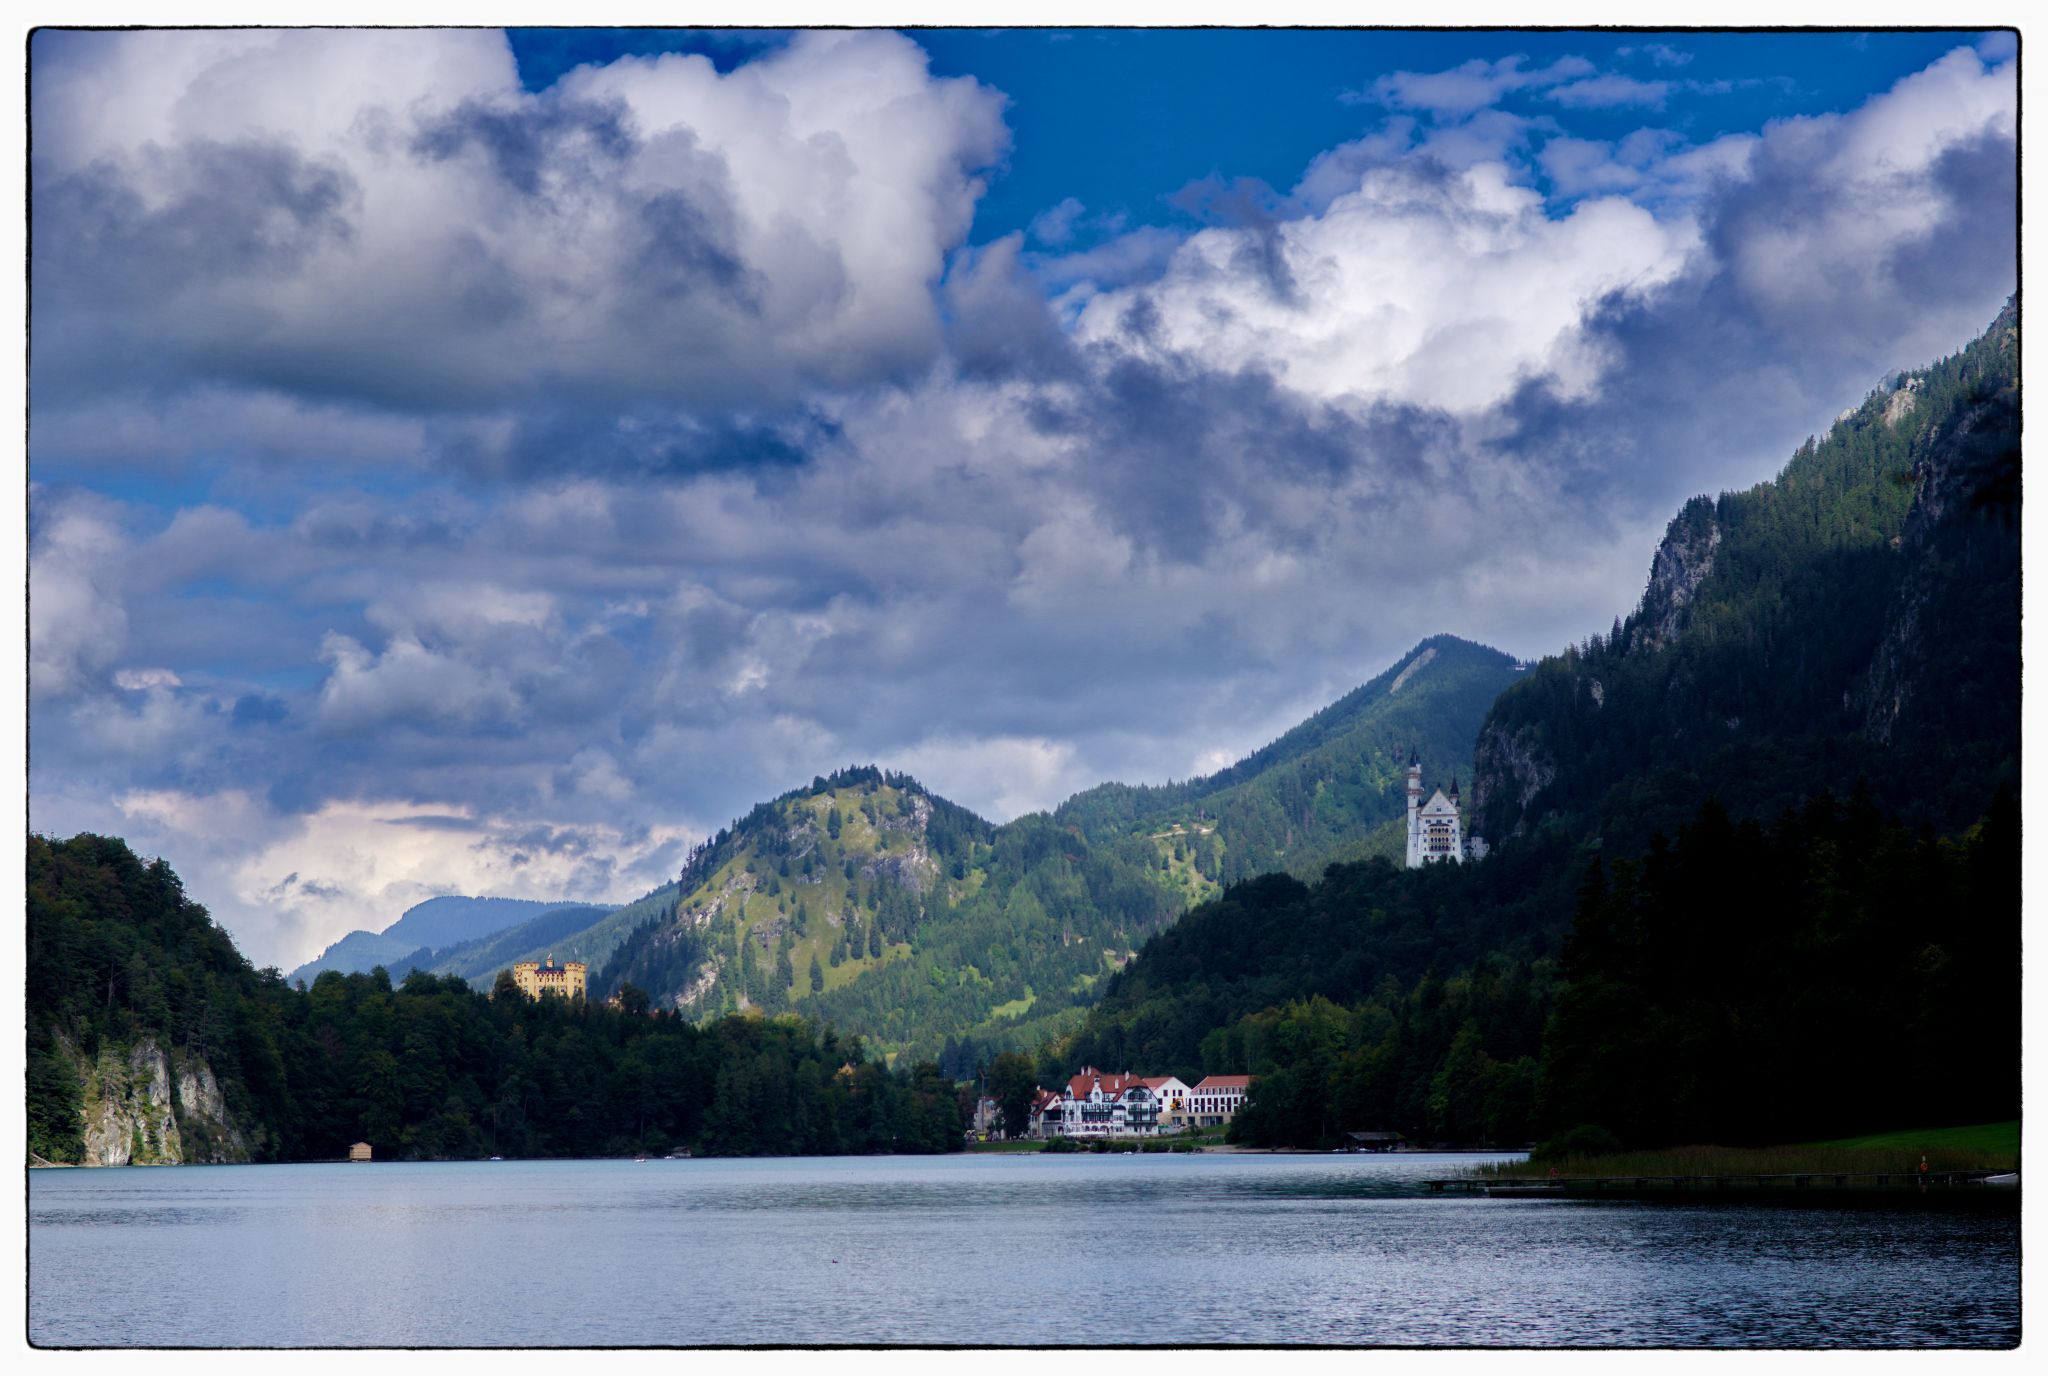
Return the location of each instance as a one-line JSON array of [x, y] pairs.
[[582, 436]]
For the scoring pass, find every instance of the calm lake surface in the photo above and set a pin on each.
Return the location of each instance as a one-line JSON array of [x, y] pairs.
[[981, 1250]]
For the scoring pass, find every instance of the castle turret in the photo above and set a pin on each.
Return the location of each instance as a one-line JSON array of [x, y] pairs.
[[1414, 810]]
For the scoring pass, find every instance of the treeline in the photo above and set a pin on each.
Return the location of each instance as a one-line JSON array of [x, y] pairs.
[[431, 1068], [1834, 972], [1370, 932], [1831, 974]]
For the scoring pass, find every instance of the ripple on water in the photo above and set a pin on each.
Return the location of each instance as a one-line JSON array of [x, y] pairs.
[[977, 1250]]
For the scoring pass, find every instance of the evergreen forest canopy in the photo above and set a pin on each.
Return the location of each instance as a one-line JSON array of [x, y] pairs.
[[119, 956], [1755, 874]]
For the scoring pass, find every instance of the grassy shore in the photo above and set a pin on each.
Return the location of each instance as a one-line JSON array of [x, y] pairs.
[[1986, 1147]]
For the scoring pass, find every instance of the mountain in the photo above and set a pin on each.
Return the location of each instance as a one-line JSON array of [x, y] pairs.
[[1767, 824], [446, 921], [151, 1040], [1855, 619], [1332, 788], [565, 933], [869, 902]]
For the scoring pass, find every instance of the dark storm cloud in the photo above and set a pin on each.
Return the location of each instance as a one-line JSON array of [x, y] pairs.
[[219, 216], [220, 210], [554, 442]]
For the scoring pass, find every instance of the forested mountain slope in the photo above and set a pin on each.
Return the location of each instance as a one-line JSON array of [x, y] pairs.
[[1328, 788], [1855, 618], [869, 902], [1770, 817]]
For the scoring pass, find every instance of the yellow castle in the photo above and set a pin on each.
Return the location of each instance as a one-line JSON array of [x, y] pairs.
[[535, 979]]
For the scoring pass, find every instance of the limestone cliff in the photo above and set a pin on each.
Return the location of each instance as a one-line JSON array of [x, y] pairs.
[[1681, 564], [141, 1106], [1961, 564]]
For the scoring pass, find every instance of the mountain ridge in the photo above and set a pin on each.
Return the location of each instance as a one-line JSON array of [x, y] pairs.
[[941, 927]]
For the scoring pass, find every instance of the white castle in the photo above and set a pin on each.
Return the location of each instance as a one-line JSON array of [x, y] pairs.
[[1436, 829]]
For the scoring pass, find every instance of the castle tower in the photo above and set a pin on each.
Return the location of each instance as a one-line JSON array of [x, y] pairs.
[[1414, 810]]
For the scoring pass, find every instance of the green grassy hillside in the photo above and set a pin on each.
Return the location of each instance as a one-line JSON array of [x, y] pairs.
[[868, 902]]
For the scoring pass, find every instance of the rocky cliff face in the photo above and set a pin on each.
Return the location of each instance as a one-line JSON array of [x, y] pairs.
[[1509, 768], [1682, 563], [143, 1107], [1960, 558]]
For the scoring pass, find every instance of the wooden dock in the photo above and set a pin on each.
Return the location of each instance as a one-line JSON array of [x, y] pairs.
[[1723, 1186]]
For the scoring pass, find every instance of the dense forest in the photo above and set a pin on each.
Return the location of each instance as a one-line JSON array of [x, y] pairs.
[[1684, 932], [119, 957], [1854, 619]]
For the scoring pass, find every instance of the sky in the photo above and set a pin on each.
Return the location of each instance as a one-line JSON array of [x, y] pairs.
[[478, 462]]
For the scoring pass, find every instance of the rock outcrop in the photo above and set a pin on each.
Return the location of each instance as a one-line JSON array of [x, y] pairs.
[[142, 1106], [1508, 770], [1956, 545], [1681, 564]]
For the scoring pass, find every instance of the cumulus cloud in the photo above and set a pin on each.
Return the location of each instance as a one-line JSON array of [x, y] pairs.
[[1417, 287], [289, 885], [77, 624], [388, 215]]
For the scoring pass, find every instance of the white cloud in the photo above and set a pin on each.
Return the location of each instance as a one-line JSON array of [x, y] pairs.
[[1471, 85], [408, 684], [288, 886], [1867, 186], [434, 235], [1444, 292], [77, 623], [1000, 777], [1607, 90]]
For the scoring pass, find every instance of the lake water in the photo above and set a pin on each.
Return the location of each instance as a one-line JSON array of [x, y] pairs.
[[976, 1250]]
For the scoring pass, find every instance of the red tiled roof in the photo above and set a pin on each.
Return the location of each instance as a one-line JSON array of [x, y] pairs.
[[1216, 1082], [1112, 1085]]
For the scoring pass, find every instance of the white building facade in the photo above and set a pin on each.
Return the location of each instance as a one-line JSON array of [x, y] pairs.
[[1216, 1100], [1173, 1095], [1099, 1105], [1436, 829]]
